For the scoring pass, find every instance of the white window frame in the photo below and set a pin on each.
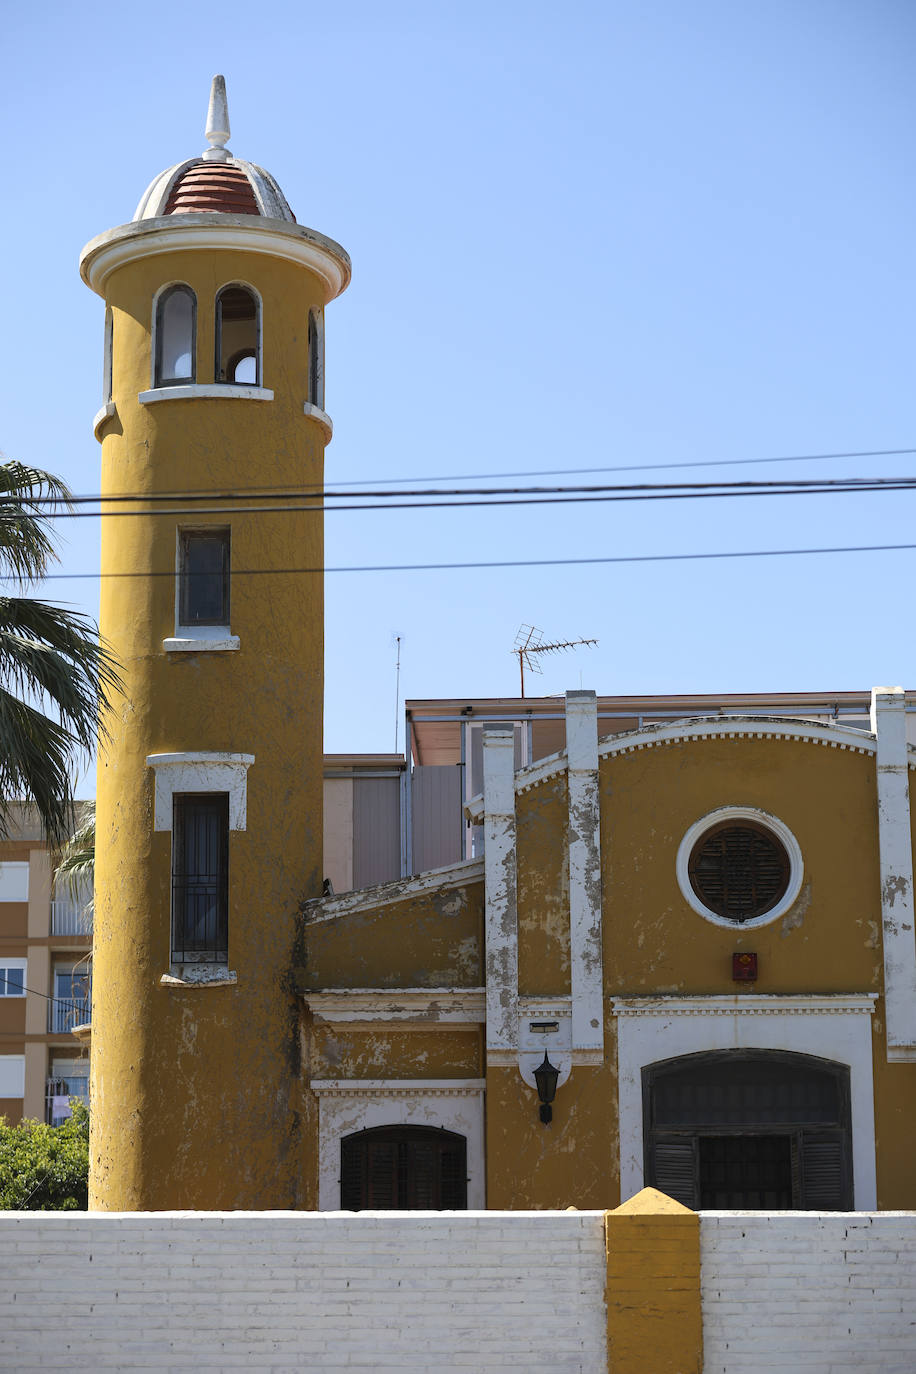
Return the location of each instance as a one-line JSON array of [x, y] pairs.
[[154, 338], [349, 1105], [259, 348], [837, 1027], [199, 638], [777, 828], [200, 772], [9, 962]]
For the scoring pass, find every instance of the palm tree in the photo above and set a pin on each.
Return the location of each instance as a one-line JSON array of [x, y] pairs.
[[55, 675], [74, 863]]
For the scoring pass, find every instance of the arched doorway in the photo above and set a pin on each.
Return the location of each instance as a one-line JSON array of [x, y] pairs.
[[411, 1168], [749, 1129]]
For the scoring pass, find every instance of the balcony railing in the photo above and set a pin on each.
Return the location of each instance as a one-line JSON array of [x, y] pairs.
[[65, 1013], [58, 1092], [70, 917]]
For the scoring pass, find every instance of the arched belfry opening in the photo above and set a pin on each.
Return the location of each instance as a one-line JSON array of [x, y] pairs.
[[176, 331], [749, 1130], [238, 336]]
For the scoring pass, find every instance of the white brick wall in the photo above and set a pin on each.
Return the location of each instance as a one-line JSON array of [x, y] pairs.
[[199, 1293], [816, 1293]]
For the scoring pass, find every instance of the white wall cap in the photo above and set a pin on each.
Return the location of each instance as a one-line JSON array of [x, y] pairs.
[[162, 760], [582, 731]]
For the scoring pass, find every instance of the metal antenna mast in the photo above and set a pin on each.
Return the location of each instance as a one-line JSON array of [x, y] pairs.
[[529, 642]]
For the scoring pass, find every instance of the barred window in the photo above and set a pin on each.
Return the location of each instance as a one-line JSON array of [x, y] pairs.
[[403, 1168], [200, 877]]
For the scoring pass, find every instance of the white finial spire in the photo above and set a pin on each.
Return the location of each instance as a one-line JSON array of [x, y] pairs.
[[218, 122]]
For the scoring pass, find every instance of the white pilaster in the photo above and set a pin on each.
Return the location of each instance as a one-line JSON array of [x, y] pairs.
[[584, 874], [888, 721], [500, 886]]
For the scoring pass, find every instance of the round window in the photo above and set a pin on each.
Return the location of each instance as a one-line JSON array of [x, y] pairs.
[[739, 871], [740, 866]]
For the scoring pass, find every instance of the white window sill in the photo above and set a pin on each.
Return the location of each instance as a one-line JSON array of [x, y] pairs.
[[200, 646], [199, 976], [108, 409], [316, 413], [206, 391]]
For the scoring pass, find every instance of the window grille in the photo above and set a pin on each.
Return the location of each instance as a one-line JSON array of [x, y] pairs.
[[403, 1168], [200, 878]]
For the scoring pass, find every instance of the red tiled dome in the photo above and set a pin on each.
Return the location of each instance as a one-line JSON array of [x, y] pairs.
[[207, 187]]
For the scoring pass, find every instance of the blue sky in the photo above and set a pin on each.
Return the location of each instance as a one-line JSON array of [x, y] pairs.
[[607, 234]]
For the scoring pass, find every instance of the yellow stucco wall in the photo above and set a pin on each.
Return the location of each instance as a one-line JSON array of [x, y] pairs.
[[196, 1091]]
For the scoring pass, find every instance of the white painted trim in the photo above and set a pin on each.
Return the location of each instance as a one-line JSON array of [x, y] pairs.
[[213, 231], [106, 412], [584, 851], [154, 333], [500, 887], [205, 391], [835, 1027], [321, 417], [895, 851], [364, 899], [201, 772], [200, 645], [349, 1105], [429, 1007], [768, 822]]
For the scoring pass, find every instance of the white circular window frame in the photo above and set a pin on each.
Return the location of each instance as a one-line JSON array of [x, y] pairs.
[[762, 818]]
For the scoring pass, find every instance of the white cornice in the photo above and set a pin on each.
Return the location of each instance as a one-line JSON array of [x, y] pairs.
[[246, 233], [321, 417], [320, 909], [748, 1004], [691, 731], [398, 1087], [205, 391], [426, 1006]]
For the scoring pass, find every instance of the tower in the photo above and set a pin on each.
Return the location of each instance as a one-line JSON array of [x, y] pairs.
[[209, 811]]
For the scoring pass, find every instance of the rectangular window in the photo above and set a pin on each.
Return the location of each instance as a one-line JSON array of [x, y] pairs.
[[203, 577], [200, 878], [14, 882], [12, 978]]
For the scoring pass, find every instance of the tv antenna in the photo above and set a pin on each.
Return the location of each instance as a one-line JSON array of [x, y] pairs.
[[529, 642]]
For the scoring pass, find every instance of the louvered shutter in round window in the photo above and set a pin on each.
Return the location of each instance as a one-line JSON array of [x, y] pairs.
[[739, 870]]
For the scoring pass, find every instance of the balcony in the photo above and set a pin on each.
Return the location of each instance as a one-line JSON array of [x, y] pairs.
[[70, 916], [65, 1013], [58, 1092]]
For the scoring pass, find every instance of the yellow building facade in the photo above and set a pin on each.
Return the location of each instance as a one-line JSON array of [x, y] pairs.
[[680, 956]]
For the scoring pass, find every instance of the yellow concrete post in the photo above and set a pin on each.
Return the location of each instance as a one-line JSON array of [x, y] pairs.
[[654, 1317]]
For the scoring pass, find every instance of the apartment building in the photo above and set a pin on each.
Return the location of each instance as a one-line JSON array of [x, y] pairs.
[[45, 980]]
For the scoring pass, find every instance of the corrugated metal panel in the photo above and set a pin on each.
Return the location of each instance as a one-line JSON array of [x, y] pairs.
[[437, 822], [376, 830]]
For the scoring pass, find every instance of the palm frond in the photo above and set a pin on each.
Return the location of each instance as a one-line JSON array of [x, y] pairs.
[[74, 863], [29, 499]]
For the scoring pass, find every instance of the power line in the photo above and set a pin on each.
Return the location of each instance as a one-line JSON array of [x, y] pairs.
[[507, 563], [561, 497], [643, 467], [790, 484]]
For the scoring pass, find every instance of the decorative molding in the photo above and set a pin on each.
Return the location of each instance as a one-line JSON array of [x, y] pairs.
[[749, 1004], [398, 1087], [321, 417], [427, 1006], [201, 772], [901, 1054], [200, 646], [318, 909], [275, 238], [108, 409], [206, 391], [762, 818]]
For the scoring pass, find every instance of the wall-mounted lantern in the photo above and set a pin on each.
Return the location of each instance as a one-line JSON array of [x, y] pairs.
[[545, 1076]]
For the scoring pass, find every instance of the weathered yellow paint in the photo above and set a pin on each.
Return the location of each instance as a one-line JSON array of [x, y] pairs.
[[196, 1091], [367, 1052], [431, 940], [654, 1315]]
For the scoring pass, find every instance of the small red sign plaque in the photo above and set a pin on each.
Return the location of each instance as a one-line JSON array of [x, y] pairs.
[[744, 967]]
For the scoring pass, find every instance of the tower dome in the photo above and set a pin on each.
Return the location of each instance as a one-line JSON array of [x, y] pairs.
[[216, 182]]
